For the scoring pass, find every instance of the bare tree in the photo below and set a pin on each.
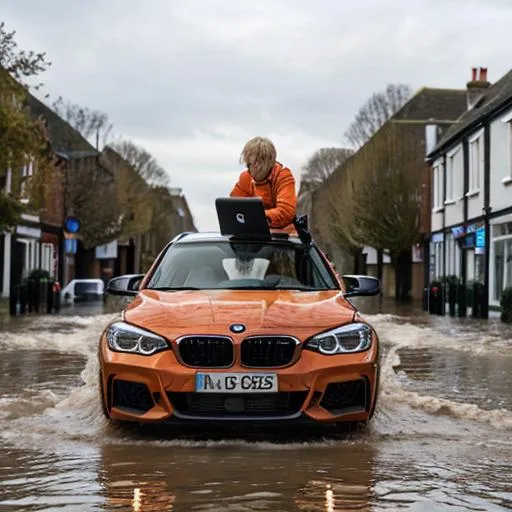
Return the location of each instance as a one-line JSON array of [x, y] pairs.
[[143, 162], [86, 121], [91, 196], [380, 107], [19, 64], [323, 163], [381, 199], [134, 199]]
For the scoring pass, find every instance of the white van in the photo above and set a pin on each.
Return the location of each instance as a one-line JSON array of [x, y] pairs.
[[83, 290]]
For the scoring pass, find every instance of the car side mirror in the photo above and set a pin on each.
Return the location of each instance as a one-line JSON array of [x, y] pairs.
[[358, 286], [125, 285]]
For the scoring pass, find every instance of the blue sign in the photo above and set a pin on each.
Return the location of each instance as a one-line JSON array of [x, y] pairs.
[[480, 237], [72, 224], [70, 245], [458, 231], [469, 241]]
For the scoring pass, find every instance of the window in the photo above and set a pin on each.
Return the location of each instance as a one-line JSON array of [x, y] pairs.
[[242, 265], [475, 158], [27, 171], [438, 260], [452, 256], [507, 120], [449, 178], [453, 170], [509, 136], [438, 187], [47, 257], [502, 261]]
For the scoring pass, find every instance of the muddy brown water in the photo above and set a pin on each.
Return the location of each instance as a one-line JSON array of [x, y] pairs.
[[440, 440]]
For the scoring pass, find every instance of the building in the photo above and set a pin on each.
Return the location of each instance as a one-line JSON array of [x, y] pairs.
[[471, 215], [398, 144], [124, 221], [183, 219]]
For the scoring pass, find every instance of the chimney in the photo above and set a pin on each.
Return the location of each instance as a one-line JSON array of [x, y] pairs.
[[476, 86]]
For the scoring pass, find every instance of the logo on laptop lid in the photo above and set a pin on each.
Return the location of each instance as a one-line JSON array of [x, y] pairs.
[[240, 218]]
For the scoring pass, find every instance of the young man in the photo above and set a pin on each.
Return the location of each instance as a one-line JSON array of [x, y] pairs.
[[268, 179]]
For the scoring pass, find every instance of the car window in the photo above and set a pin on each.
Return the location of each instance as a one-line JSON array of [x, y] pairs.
[[82, 288], [241, 265]]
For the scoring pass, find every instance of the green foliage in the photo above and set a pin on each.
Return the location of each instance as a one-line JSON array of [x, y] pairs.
[[452, 279], [21, 136], [10, 211], [506, 305], [38, 274]]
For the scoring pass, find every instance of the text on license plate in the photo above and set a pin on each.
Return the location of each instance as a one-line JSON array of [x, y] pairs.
[[236, 383]]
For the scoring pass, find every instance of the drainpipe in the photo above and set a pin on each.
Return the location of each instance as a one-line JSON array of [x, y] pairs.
[[463, 264], [445, 248], [487, 211]]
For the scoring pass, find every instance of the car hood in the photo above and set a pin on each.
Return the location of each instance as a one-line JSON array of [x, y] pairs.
[[215, 310]]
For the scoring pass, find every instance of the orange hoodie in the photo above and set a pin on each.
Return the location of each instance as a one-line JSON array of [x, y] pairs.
[[277, 192]]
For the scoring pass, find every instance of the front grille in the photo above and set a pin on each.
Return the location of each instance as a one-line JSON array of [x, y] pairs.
[[342, 397], [238, 404], [206, 351], [267, 351], [131, 395]]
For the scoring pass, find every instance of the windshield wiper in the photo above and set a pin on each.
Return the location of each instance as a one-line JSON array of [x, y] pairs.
[[276, 288], [173, 288]]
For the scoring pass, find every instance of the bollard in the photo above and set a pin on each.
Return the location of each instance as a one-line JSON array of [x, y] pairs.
[[478, 300], [425, 299], [56, 296], [23, 298], [14, 300], [452, 298], [436, 302], [31, 295], [43, 294], [49, 296]]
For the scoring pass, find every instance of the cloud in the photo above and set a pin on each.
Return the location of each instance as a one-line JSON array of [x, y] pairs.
[[192, 80]]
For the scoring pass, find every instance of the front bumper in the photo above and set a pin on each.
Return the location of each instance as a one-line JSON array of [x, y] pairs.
[[316, 389]]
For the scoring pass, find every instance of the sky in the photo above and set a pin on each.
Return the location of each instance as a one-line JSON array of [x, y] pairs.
[[192, 80]]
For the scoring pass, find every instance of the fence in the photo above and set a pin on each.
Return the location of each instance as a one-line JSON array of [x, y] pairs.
[[35, 295]]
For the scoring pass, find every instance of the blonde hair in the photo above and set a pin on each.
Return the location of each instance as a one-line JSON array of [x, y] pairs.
[[262, 151]]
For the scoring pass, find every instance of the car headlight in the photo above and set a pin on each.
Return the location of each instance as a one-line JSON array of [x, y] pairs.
[[123, 337], [346, 339]]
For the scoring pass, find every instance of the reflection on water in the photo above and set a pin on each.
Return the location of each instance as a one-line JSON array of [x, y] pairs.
[[329, 495], [458, 376], [238, 476], [440, 439], [379, 304]]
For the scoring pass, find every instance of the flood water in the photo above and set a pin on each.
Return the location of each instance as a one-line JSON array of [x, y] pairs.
[[440, 439]]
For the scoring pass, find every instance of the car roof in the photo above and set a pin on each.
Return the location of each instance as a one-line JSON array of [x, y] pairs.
[[215, 236]]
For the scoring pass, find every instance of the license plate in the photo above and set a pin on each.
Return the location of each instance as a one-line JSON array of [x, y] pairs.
[[236, 383]]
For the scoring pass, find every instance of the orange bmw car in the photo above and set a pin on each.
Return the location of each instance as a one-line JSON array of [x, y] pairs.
[[227, 329]]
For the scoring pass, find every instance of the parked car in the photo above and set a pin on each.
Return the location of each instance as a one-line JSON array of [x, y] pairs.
[[82, 290], [225, 330]]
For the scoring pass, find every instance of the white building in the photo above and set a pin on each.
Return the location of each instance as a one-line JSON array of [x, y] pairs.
[[471, 224]]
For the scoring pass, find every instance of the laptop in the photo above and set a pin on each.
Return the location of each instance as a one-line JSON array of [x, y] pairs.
[[242, 217]]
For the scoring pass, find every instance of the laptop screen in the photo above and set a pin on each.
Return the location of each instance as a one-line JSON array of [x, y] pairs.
[[242, 217]]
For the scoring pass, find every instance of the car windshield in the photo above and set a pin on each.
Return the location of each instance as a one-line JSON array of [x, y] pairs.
[[242, 265]]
